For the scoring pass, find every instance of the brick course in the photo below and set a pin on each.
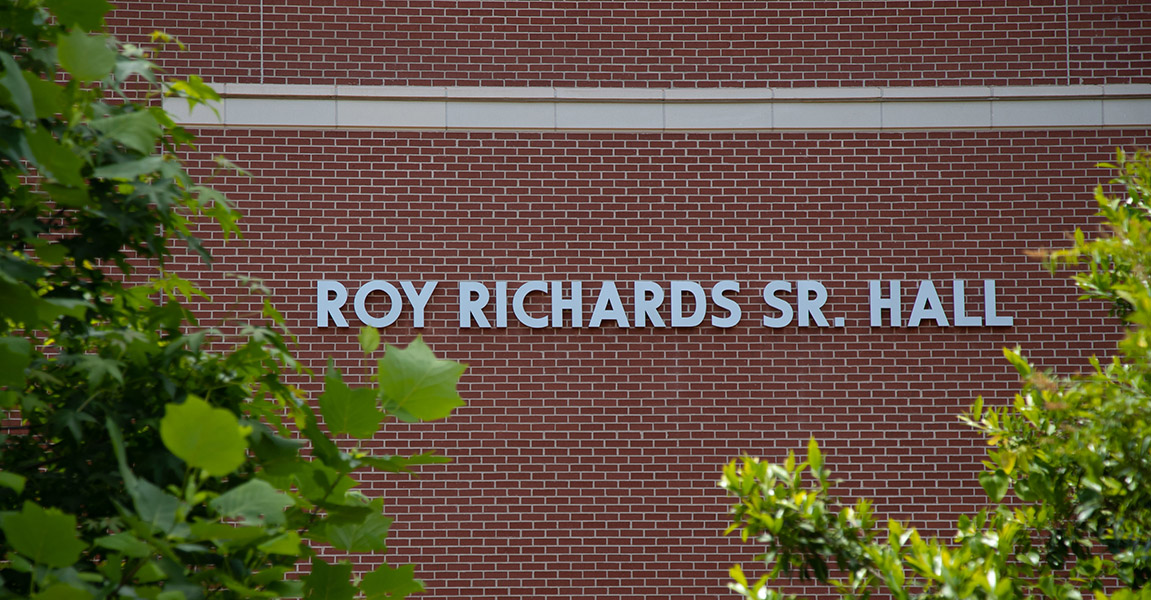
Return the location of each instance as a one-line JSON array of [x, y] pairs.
[[782, 43], [586, 460]]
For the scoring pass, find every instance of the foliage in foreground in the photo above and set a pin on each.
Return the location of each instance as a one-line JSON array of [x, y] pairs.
[[1074, 452], [137, 462]]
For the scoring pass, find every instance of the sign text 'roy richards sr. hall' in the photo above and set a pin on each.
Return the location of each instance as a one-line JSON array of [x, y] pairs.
[[484, 305]]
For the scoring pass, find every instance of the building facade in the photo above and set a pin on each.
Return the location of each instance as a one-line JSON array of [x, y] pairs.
[[663, 235]]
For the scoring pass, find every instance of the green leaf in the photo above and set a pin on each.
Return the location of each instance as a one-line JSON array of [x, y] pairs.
[[814, 456], [44, 536], [349, 411], [994, 483], [50, 254], [1016, 359], [86, 57], [72, 197], [126, 543], [386, 583], [50, 308], [13, 481], [401, 464], [88, 15], [223, 532], [287, 543], [317, 482], [138, 130], [369, 339], [128, 171], [153, 505], [97, 370], [195, 90], [53, 159], [254, 502], [19, 94], [48, 96], [62, 591], [367, 535], [204, 437], [15, 356], [329, 582], [419, 383]]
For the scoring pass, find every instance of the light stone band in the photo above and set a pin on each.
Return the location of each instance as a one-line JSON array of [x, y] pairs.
[[696, 109]]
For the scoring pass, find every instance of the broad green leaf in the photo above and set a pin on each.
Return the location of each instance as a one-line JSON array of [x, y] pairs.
[[126, 543], [62, 591], [270, 575], [97, 370], [254, 502], [13, 481], [48, 96], [53, 159], [86, 57], [386, 583], [19, 303], [154, 506], [287, 543], [368, 535], [128, 171], [138, 130], [44, 536], [418, 382], [369, 339], [72, 197], [994, 483], [1016, 359], [87, 15], [195, 90], [814, 456], [223, 532], [349, 411], [19, 95], [204, 437], [329, 582], [400, 464], [15, 356], [317, 482], [49, 253], [151, 572], [50, 308]]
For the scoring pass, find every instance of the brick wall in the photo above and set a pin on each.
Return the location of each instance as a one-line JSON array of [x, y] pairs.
[[782, 43], [586, 460]]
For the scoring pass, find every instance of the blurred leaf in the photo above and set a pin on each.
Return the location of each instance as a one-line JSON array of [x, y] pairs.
[[369, 339], [366, 535], [62, 591], [349, 411], [130, 170], [386, 583], [329, 582], [87, 15], [204, 437], [254, 502], [15, 356], [419, 383], [44, 536], [137, 130], [87, 57], [13, 82], [287, 543], [126, 543], [13, 481], [55, 160]]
